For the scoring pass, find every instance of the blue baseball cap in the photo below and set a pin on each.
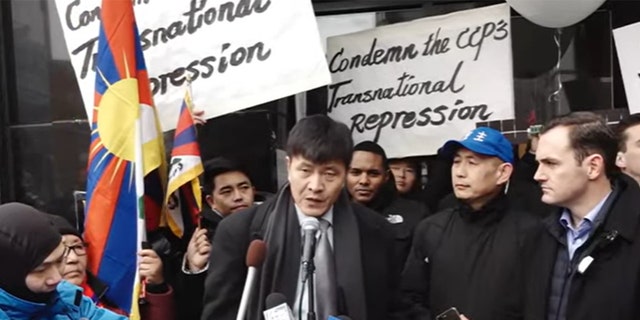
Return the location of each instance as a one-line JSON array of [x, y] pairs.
[[481, 140]]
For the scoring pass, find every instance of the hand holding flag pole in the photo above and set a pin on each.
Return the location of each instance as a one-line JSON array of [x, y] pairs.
[[198, 115]]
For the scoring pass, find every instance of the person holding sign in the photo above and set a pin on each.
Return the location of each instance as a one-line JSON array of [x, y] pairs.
[[371, 184], [470, 256]]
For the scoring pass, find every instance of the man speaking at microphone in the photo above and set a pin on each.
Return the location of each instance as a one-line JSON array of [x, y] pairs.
[[355, 273]]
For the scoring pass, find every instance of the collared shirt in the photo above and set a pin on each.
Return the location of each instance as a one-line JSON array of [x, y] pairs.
[[301, 303], [217, 212], [577, 236]]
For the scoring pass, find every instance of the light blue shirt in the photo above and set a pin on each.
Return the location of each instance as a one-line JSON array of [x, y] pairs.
[[577, 236], [300, 305]]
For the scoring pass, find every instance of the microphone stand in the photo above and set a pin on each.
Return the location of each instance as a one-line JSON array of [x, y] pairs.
[[309, 269]]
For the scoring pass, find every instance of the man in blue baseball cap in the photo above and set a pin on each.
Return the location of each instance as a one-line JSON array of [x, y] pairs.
[[469, 255], [482, 140]]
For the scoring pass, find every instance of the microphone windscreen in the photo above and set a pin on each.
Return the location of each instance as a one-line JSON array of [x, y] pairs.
[[275, 299], [256, 253]]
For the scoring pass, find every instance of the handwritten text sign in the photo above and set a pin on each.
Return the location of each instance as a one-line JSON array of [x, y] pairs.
[[412, 86], [239, 53], [628, 46]]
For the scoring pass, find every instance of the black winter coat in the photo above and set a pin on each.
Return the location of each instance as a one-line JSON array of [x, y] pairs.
[[609, 288]]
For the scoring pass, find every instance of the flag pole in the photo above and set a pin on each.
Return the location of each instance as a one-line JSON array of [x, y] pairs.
[[139, 290]]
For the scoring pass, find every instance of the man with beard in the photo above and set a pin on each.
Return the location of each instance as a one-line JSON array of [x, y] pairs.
[[371, 184]]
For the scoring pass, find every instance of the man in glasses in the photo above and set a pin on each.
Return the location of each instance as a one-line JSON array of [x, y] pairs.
[[159, 299], [32, 254]]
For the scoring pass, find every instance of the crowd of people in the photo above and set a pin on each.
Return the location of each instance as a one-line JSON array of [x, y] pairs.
[[551, 235]]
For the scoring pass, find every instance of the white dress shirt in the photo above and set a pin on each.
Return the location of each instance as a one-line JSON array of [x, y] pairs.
[[300, 305]]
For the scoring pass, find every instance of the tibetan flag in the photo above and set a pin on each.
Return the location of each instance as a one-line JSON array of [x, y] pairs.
[[183, 194], [126, 159]]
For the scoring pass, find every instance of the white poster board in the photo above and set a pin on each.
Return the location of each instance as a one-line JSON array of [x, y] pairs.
[[412, 86], [239, 53], [340, 24], [628, 46]]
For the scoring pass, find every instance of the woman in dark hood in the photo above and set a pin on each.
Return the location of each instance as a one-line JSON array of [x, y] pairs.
[[32, 255]]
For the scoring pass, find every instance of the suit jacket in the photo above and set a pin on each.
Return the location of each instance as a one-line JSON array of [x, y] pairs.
[[609, 287], [227, 271]]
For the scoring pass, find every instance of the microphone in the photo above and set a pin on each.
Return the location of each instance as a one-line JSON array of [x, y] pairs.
[[339, 318], [277, 308], [310, 226], [255, 256]]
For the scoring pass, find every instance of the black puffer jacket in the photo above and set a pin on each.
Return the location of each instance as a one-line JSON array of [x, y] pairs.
[[471, 260], [403, 214]]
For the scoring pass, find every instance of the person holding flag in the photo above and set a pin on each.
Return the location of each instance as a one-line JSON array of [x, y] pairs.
[[159, 303], [126, 170], [228, 190]]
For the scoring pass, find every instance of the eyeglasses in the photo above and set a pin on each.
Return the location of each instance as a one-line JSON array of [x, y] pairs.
[[79, 249]]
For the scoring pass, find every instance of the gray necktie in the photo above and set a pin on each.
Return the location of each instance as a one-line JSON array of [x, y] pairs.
[[326, 292]]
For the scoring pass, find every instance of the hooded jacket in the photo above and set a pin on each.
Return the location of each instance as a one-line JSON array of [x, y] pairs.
[[27, 238], [66, 303], [403, 215]]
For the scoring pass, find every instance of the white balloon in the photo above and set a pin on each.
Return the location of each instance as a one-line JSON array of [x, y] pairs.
[[555, 13]]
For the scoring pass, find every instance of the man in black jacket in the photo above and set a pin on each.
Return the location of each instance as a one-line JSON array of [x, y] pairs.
[[628, 136], [227, 190], [360, 241], [587, 262], [470, 256], [370, 183]]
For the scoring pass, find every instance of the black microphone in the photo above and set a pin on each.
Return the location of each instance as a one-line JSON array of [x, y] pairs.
[[277, 308], [310, 227], [275, 299]]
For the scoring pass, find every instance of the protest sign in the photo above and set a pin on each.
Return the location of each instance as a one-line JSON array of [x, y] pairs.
[[238, 53], [412, 86], [628, 46]]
